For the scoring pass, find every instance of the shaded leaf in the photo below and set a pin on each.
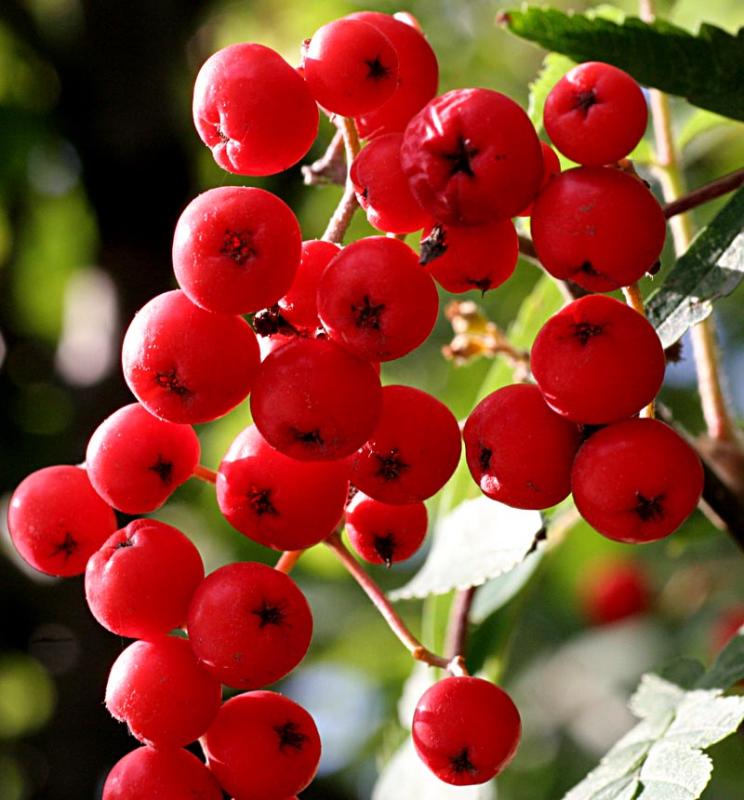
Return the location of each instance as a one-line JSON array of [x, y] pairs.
[[698, 123], [728, 668], [712, 268], [499, 591], [707, 69], [553, 68]]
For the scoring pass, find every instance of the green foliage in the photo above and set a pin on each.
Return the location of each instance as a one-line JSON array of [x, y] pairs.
[[712, 268], [707, 69], [553, 68]]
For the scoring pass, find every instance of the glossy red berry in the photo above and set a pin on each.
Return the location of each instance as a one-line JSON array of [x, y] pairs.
[[466, 730], [472, 156], [375, 299], [314, 401], [596, 114], [598, 227], [159, 689], [475, 257], [135, 461], [613, 591], [519, 451], [276, 500], [253, 110], [140, 583], [262, 745], [350, 67], [185, 364], [249, 625], [597, 361], [412, 452], [382, 189], [636, 480], [385, 534], [57, 521], [236, 249], [551, 168], [299, 306], [160, 775], [418, 76]]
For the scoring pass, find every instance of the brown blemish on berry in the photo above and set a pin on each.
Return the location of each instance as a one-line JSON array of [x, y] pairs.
[[390, 465]]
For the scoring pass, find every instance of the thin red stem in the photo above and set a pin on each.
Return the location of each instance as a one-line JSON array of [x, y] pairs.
[[287, 560], [205, 474]]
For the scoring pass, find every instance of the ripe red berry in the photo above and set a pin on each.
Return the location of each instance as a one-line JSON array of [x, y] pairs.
[[236, 249], [57, 521], [382, 189], [474, 257], [159, 689], [139, 584], [375, 299], [472, 156], [595, 114], [385, 534], [412, 452], [276, 500], [135, 461], [185, 364], [636, 480], [350, 67], [249, 625], [299, 306], [160, 775], [314, 401], [551, 168], [597, 361], [466, 730], [253, 110], [597, 226], [418, 76], [262, 745], [614, 591], [519, 451]]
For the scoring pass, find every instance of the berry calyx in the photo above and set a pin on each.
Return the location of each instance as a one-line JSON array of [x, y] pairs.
[[249, 625], [519, 451], [57, 521], [466, 730], [636, 480]]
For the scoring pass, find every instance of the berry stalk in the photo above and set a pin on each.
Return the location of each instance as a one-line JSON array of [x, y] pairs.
[[287, 560], [205, 474], [348, 204]]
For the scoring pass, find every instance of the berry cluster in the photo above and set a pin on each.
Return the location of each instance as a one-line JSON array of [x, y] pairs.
[[328, 442]]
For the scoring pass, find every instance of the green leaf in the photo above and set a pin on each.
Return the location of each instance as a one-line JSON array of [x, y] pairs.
[[663, 754], [707, 69], [712, 267], [698, 123], [477, 541], [500, 590], [554, 67]]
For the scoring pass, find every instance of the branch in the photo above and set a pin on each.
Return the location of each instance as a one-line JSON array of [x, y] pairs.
[[459, 622], [705, 194], [348, 204], [456, 665], [330, 168]]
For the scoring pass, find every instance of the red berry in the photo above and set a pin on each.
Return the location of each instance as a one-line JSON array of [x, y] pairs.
[[597, 361], [382, 188], [614, 591], [551, 168], [253, 110], [350, 67], [136, 461], [57, 521], [314, 401], [375, 299], [249, 625], [466, 730], [413, 451], [599, 227], [276, 500], [472, 156], [595, 114], [139, 584], [520, 452], [161, 692], [385, 534], [160, 775], [475, 257], [418, 76], [299, 306], [262, 745], [636, 481], [236, 249], [185, 364], [726, 626]]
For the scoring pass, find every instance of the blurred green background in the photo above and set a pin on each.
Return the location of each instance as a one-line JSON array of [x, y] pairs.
[[98, 157]]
